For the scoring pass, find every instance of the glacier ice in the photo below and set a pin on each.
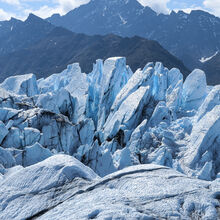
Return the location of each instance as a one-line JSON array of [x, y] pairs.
[[112, 115], [34, 154], [72, 80], [175, 89], [161, 113], [21, 85], [3, 131], [6, 158], [194, 90], [31, 136], [128, 114], [160, 83], [212, 100], [111, 119], [203, 150], [60, 102], [106, 81]]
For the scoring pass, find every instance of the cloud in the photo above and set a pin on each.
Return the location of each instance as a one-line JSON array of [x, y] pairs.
[[160, 6], [5, 15], [67, 5], [188, 10], [45, 8], [213, 6], [11, 2], [59, 6], [43, 12]]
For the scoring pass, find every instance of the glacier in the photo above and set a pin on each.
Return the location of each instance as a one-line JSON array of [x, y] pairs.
[[143, 145]]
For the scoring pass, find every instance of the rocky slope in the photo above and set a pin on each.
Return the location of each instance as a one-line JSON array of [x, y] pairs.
[[110, 119], [213, 66], [187, 36], [60, 47], [16, 35]]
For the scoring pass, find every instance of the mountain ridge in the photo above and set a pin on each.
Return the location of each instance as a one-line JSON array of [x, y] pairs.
[[62, 47], [187, 36], [16, 34], [20, 44]]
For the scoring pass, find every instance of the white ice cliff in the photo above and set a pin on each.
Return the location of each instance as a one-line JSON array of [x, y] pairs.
[[149, 142]]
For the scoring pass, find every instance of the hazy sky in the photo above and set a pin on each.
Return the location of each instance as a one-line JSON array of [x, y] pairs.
[[44, 8]]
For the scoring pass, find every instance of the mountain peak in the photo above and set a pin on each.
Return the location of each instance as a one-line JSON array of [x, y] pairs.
[[113, 1], [149, 11], [200, 12], [32, 17], [56, 15], [14, 19], [116, 2], [180, 12]]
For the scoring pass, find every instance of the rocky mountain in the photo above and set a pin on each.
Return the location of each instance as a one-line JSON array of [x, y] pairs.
[[7, 26], [187, 36], [213, 67], [61, 47], [42, 45], [16, 35], [133, 145]]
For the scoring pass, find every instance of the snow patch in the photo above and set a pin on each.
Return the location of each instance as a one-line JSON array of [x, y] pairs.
[[205, 59]]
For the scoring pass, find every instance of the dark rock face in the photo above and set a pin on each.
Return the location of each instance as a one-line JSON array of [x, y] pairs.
[[213, 68], [61, 47], [187, 36], [16, 35], [35, 45]]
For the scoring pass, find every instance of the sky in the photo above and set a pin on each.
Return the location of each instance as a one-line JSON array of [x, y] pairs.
[[45, 8]]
